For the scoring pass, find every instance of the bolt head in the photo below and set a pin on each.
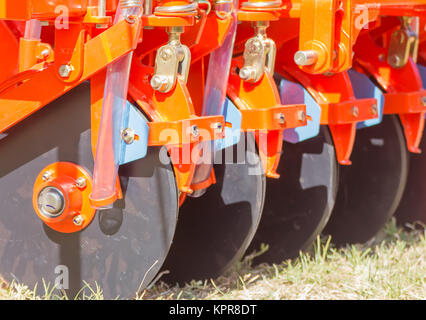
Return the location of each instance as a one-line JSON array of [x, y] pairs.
[[78, 220], [374, 109], [247, 73], [424, 101], [195, 131], [301, 116], [47, 176], [159, 83], [218, 127], [281, 118], [81, 183], [65, 70], [128, 135], [45, 53], [355, 111], [394, 60]]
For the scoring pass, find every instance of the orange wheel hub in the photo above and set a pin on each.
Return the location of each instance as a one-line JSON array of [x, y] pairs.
[[61, 197]]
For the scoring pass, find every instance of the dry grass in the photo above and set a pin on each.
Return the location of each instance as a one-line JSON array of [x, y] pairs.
[[391, 266]]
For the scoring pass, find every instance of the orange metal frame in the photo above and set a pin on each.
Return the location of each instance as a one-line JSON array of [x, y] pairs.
[[404, 93]]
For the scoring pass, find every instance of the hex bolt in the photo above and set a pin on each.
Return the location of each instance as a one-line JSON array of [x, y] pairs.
[[128, 135], [355, 111], [47, 176], [247, 73], [394, 60], [374, 109], [159, 83], [194, 131], [81, 183], [217, 127], [281, 118], [78, 220], [424, 101], [301, 115], [305, 57], [65, 70]]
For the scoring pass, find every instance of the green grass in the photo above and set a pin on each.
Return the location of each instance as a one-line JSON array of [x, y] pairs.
[[391, 266]]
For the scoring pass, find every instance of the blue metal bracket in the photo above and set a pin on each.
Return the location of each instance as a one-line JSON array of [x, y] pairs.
[[232, 135], [294, 93], [135, 120]]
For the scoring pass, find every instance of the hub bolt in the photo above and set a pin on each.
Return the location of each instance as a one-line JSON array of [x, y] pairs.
[[78, 220], [47, 176], [81, 183]]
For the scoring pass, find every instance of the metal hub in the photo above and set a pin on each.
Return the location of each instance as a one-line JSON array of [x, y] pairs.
[[51, 202], [61, 197]]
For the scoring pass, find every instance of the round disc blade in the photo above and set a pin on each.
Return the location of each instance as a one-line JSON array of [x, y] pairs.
[[412, 207], [371, 188], [299, 204], [121, 250], [214, 231]]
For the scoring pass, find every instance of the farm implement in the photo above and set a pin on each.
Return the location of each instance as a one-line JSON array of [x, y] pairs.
[[146, 140]]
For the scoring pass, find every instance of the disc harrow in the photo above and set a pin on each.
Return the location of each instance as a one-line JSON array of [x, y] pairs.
[[146, 140]]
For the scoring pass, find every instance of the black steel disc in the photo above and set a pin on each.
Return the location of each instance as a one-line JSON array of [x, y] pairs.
[[122, 249], [214, 231], [412, 208], [299, 204], [371, 188]]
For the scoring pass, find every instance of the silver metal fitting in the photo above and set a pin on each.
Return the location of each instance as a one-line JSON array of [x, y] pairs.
[[355, 111], [47, 176], [171, 61], [281, 118], [259, 53], [217, 127], [306, 57], [128, 135], [78, 220], [81, 183], [65, 70], [195, 131], [51, 202]]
